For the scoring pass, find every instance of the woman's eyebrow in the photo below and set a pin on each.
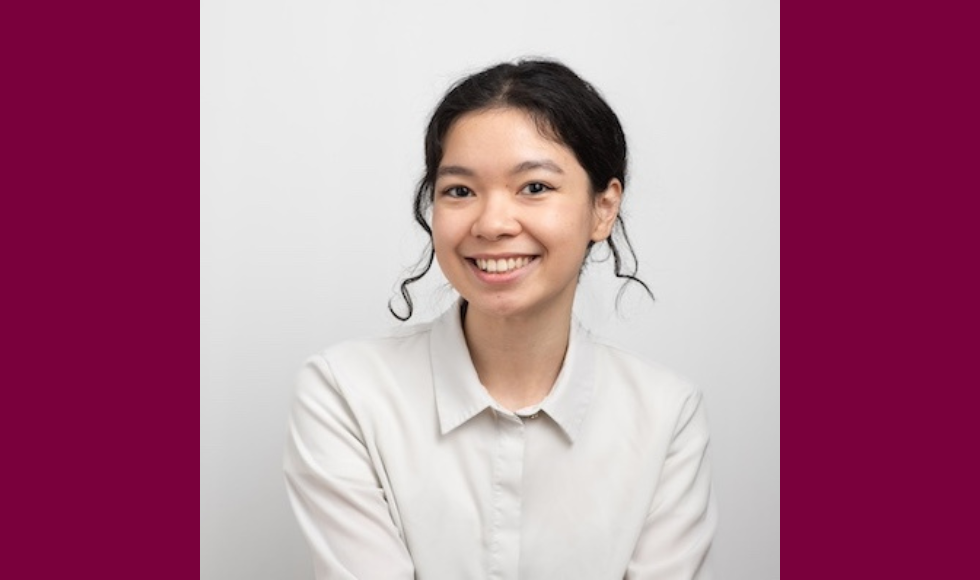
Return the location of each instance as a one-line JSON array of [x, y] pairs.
[[522, 167], [545, 164], [455, 170]]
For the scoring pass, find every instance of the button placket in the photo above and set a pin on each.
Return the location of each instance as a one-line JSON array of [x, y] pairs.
[[508, 472]]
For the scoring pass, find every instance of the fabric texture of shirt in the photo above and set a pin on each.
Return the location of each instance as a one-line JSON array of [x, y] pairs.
[[400, 465]]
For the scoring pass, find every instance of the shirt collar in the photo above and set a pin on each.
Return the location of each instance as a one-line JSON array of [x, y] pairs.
[[568, 402], [460, 396]]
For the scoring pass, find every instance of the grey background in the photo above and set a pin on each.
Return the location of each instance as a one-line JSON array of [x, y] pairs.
[[312, 115]]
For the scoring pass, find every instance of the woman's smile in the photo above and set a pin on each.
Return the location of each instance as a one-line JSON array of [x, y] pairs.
[[502, 270], [501, 265]]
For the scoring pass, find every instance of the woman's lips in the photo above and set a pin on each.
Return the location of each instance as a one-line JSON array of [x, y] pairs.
[[497, 270], [501, 265]]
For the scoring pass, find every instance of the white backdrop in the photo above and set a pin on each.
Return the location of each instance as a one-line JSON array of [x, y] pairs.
[[312, 116]]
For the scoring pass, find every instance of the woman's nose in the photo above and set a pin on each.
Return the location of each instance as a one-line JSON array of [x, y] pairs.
[[497, 219]]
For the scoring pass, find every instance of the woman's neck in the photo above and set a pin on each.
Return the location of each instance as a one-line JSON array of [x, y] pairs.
[[518, 358]]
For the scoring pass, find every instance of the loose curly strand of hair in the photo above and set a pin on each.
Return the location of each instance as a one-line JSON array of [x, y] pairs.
[[419, 207], [618, 263]]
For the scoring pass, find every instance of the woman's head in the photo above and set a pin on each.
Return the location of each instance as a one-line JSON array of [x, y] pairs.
[[564, 108]]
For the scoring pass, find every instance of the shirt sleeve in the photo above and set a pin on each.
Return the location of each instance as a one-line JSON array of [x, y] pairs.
[[680, 525], [334, 489]]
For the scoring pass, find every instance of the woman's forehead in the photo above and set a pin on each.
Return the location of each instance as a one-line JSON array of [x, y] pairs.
[[501, 140]]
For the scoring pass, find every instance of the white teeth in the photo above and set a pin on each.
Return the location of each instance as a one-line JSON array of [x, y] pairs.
[[502, 266]]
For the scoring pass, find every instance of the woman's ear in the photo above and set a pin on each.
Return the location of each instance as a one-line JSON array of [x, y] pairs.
[[606, 209]]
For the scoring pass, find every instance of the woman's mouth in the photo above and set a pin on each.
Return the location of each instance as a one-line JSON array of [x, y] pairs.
[[502, 265]]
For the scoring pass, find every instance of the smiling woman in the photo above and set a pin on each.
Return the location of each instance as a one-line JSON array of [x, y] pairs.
[[502, 440]]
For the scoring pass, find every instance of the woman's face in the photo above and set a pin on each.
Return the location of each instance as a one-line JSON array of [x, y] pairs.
[[513, 215]]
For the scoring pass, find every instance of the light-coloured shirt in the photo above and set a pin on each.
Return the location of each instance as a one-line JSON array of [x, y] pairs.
[[400, 465]]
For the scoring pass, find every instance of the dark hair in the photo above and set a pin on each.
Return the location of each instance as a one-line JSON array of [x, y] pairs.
[[565, 107]]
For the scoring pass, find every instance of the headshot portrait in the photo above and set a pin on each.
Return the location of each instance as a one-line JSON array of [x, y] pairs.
[[490, 291]]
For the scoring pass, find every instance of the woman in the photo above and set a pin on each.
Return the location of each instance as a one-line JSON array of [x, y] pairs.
[[502, 440]]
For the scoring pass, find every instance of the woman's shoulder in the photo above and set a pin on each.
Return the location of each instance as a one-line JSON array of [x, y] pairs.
[[396, 341], [368, 367], [640, 377]]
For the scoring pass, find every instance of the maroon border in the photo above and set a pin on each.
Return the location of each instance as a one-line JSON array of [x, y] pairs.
[[100, 229], [879, 315]]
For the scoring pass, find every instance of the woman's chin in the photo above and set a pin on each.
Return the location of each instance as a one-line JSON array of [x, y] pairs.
[[510, 306]]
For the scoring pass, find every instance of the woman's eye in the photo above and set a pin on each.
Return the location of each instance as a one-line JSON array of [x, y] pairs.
[[457, 191], [536, 188]]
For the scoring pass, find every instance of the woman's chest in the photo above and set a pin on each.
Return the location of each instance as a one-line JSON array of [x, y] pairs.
[[500, 498]]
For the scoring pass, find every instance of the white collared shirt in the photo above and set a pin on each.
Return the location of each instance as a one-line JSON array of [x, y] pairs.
[[399, 464]]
